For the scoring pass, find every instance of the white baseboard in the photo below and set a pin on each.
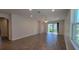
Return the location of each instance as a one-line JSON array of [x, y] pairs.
[[75, 46], [13, 39]]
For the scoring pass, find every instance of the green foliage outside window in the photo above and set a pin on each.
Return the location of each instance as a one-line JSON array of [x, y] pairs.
[[52, 28]]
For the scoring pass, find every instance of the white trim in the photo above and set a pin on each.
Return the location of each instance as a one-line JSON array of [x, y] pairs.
[[75, 46]]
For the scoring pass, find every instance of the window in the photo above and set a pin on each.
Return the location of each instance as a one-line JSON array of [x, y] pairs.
[[76, 27], [52, 28]]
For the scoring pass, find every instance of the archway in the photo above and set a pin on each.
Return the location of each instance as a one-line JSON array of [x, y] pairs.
[[4, 28]]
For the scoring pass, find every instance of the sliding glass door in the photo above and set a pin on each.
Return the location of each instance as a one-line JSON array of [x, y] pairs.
[[52, 28]]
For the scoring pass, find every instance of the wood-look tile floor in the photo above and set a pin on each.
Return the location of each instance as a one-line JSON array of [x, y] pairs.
[[37, 42]]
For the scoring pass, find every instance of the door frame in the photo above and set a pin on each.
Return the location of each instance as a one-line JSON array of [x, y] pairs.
[[7, 26]]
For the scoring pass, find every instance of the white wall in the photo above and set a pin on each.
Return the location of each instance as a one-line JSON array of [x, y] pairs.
[[20, 27], [61, 27], [41, 26], [23, 27]]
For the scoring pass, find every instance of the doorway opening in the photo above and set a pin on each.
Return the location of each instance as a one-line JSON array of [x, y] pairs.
[[52, 28], [4, 29]]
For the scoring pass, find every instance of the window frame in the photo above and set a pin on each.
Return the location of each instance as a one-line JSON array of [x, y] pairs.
[[74, 28]]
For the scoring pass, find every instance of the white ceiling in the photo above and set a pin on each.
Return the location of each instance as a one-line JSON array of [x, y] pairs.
[[38, 13]]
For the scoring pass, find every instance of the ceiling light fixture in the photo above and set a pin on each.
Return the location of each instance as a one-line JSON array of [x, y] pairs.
[[30, 9], [45, 21], [53, 10]]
